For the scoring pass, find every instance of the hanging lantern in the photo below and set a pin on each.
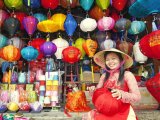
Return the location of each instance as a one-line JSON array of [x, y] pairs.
[[149, 45], [100, 37], [122, 24], [90, 47], [70, 24], [11, 4], [40, 16], [79, 44], [107, 44], [20, 16], [59, 19], [70, 3], [30, 24], [137, 27], [10, 53], [47, 26], [88, 25], [106, 23], [3, 40], [49, 4], [29, 53], [61, 44], [153, 85], [17, 42], [36, 43], [48, 48], [1, 4], [86, 4], [3, 15], [71, 54], [119, 4], [103, 4], [34, 4], [139, 57], [11, 25]]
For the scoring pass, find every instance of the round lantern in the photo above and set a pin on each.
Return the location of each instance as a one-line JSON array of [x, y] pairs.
[[61, 44], [17, 42], [106, 23], [3, 15], [40, 16], [88, 25], [119, 4], [107, 44], [139, 57], [10, 53], [49, 4], [29, 53], [90, 47], [149, 45], [71, 54], [122, 24], [59, 19], [137, 27], [32, 3], [3, 41], [48, 48], [65, 3]]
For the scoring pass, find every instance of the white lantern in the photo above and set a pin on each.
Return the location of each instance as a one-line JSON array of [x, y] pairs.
[[139, 57], [88, 25], [107, 44], [61, 44], [17, 42]]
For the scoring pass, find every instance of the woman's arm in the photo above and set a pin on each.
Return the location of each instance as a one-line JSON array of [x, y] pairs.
[[101, 81], [134, 94]]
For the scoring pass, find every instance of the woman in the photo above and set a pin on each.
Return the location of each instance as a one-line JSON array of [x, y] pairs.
[[116, 90]]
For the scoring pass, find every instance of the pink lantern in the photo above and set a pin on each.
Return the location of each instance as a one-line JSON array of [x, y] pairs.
[[3, 16], [106, 23]]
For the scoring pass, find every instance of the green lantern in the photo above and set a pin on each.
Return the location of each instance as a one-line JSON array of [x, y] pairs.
[[13, 4], [103, 4]]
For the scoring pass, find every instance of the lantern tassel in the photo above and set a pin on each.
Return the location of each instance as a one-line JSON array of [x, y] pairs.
[[92, 71]]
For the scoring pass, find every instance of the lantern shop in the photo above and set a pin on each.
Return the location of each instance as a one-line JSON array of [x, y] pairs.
[[47, 49]]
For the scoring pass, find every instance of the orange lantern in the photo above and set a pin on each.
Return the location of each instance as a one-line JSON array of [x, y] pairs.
[[90, 47], [10, 53]]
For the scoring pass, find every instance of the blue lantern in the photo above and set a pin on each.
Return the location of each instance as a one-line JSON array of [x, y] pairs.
[[70, 24], [3, 41], [32, 3], [86, 4], [48, 48], [40, 16], [29, 53]]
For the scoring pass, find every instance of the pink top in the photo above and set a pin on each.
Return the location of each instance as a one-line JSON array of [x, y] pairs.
[[130, 91]]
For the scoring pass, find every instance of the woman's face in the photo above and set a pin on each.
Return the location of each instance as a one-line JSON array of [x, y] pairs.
[[112, 61]]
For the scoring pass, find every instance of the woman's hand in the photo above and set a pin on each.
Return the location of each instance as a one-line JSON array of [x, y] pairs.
[[116, 93]]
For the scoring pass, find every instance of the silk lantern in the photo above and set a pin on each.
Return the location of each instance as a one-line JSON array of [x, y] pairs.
[[70, 3], [1, 4], [103, 4], [20, 16], [36, 43], [29, 53], [11, 4], [40, 16], [149, 44], [11, 25], [61, 44], [59, 19], [17, 42], [34, 4], [10, 53], [70, 24], [119, 4], [71, 54], [30, 24], [100, 37], [106, 23], [88, 25], [122, 24], [107, 44], [49, 4], [79, 44], [90, 47], [3, 40], [3, 15], [86, 4], [139, 57]]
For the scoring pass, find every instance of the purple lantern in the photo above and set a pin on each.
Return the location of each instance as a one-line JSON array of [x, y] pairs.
[[48, 48]]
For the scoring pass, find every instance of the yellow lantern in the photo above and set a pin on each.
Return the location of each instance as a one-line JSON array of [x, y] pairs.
[[78, 44]]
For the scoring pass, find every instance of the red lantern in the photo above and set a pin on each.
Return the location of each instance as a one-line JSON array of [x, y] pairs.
[[153, 86], [50, 4], [20, 16], [1, 4], [71, 54], [119, 4], [10, 53], [66, 3], [36, 43]]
